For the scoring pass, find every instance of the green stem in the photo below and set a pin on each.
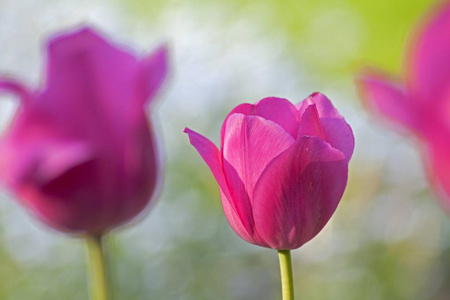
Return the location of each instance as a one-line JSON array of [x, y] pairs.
[[287, 284], [97, 268]]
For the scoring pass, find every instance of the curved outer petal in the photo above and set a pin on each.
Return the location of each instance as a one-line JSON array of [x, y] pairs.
[[140, 174], [211, 155], [278, 110], [235, 200], [235, 220], [428, 64], [94, 96], [250, 143], [241, 201], [389, 99], [298, 193], [335, 129]]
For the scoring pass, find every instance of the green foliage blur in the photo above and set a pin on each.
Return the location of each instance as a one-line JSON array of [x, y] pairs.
[[389, 238]]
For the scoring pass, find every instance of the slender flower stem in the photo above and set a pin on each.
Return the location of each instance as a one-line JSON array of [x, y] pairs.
[[287, 284], [97, 268]]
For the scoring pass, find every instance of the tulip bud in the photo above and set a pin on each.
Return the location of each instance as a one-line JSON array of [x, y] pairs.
[[80, 152], [281, 169]]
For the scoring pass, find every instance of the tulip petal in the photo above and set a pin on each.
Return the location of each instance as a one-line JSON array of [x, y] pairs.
[[155, 68], [278, 110], [324, 106], [238, 203], [310, 123], [242, 223], [298, 193], [40, 176], [211, 155], [42, 159], [336, 131], [233, 218], [71, 211], [12, 170], [388, 99], [59, 157], [91, 84], [250, 143], [428, 66], [246, 109]]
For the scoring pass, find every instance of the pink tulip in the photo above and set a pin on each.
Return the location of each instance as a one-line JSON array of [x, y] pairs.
[[80, 152], [420, 102], [282, 169]]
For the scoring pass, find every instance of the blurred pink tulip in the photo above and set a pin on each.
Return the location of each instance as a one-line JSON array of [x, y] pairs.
[[80, 152], [420, 102], [282, 169]]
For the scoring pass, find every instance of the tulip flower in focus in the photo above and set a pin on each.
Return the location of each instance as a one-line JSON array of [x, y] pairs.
[[80, 152], [420, 101], [282, 170]]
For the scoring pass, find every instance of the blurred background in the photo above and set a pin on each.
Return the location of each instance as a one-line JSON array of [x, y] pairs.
[[389, 239]]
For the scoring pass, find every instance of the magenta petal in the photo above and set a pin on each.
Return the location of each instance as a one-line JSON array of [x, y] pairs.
[[235, 220], [240, 202], [250, 143], [324, 106], [389, 99], [69, 211], [246, 109], [280, 111], [13, 170], [91, 84], [154, 68], [238, 205], [310, 123], [298, 193], [37, 176], [336, 131], [41, 160], [429, 62], [211, 155], [59, 157]]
